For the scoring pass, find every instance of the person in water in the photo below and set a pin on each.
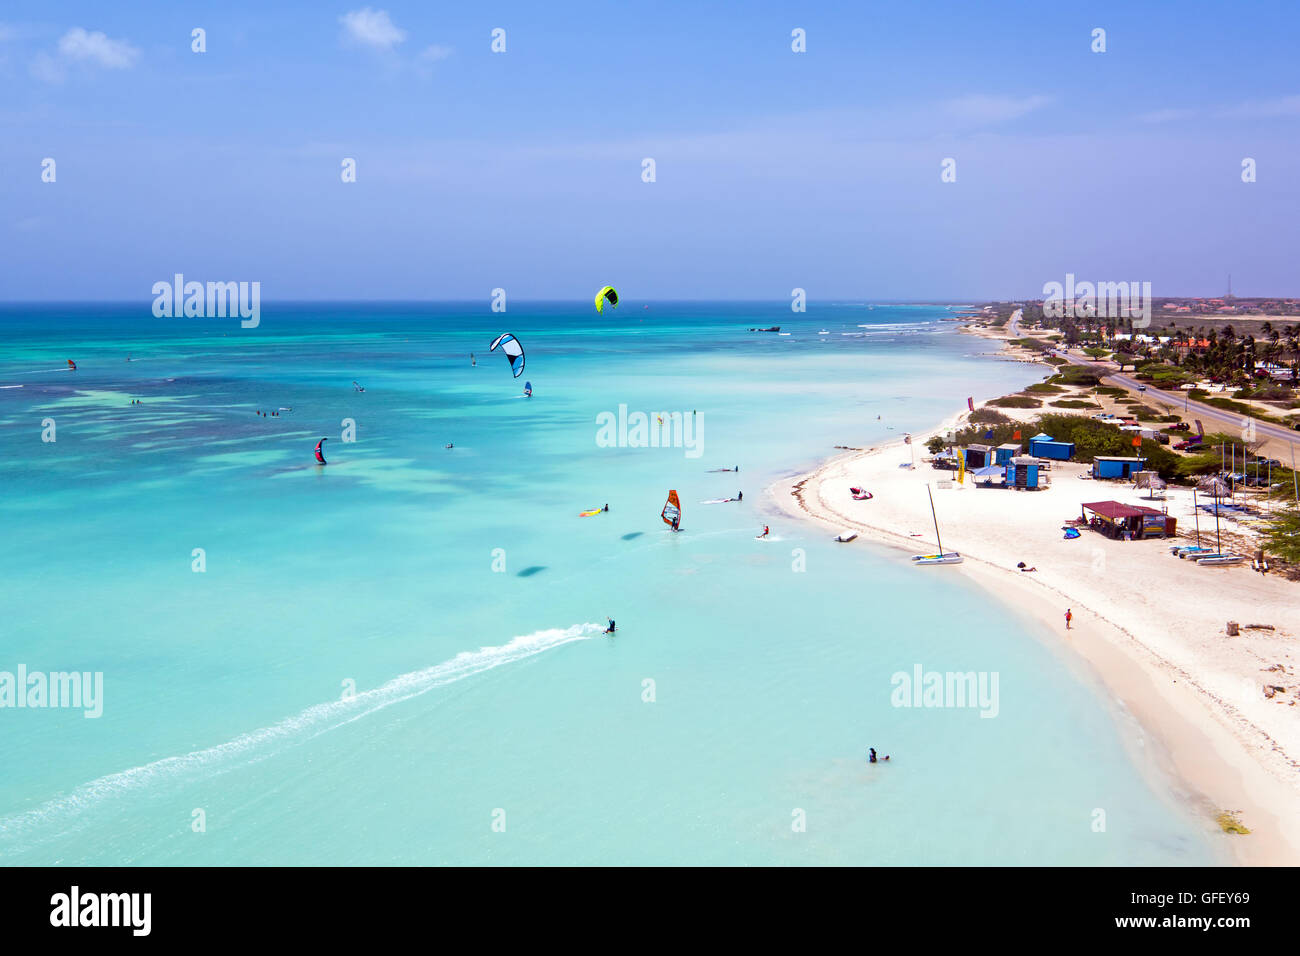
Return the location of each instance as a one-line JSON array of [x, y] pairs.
[[740, 496], [606, 508], [871, 758], [612, 628]]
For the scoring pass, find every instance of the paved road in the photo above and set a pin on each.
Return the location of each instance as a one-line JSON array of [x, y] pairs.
[[1179, 400]]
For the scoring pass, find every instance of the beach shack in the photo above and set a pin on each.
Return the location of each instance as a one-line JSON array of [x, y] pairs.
[[1128, 522], [978, 456], [1022, 472], [1044, 445], [1106, 466], [1003, 454]]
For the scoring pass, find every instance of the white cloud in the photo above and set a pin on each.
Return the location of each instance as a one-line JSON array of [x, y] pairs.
[[436, 52], [86, 48], [373, 28], [97, 48], [982, 108]]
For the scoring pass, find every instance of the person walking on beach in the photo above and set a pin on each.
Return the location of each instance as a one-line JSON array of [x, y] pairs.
[[1069, 616]]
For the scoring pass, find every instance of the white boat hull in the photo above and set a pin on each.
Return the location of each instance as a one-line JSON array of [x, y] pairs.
[[1221, 559], [948, 557]]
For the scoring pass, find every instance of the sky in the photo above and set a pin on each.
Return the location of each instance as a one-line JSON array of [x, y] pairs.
[[523, 169]]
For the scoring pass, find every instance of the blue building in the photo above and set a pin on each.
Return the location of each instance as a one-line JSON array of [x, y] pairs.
[[1104, 466], [1004, 453], [1022, 472], [1044, 445]]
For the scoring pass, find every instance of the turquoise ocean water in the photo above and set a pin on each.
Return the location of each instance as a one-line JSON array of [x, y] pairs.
[[461, 595]]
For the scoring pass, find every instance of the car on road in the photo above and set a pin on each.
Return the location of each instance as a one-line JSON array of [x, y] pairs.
[[1188, 444], [1142, 388], [1179, 427]]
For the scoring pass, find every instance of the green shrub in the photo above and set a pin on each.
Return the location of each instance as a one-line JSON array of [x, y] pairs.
[[1044, 387], [988, 415], [1073, 403], [1077, 375], [1017, 401]]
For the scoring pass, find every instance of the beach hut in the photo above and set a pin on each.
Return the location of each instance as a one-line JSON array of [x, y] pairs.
[[1124, 522], [1044, 445], [1022, 472], [1106, 466], [978, 456], [1003, 454]]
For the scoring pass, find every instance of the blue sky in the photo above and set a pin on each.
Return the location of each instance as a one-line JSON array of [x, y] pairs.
[[522, 170]]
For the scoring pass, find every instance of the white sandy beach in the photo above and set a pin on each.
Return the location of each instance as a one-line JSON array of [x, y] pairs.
[[1151, 625]]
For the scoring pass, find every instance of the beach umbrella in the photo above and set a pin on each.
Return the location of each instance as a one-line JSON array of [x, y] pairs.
[[1149, 480], [1214, 486]]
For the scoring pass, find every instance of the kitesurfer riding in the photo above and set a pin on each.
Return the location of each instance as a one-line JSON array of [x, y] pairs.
[[765, 531], [611, 629]]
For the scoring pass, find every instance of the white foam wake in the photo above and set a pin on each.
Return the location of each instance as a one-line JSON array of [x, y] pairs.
[[257, 745]]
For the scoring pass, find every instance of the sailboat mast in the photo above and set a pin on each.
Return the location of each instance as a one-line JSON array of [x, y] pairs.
[[1196, 515], [935, 517]]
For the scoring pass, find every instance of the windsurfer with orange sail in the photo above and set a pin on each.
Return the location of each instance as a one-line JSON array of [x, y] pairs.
[[672, 513]]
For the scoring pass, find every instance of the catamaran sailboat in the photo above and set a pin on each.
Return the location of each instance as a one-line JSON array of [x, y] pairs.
[[943, 557]]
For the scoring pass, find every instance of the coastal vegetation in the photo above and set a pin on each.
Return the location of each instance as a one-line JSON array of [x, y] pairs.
[[1016, 401], [1282, 535], [1235, 344]]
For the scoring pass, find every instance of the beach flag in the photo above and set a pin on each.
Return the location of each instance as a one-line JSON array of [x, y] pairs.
[[970, 403], [961, 467], [1137, 442], [1016, 436], [989, 433]]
